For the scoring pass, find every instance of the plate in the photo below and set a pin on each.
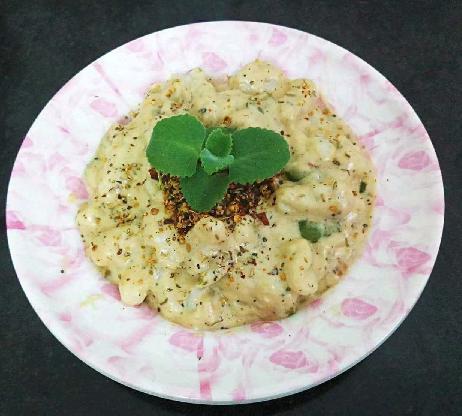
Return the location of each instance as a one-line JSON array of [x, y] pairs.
[[136, 347]]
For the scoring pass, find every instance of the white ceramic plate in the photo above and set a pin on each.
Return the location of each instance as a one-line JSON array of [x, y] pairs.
[[260, 361]]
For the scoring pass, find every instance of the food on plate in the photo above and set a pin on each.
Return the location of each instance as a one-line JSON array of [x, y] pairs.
[[220, 202]]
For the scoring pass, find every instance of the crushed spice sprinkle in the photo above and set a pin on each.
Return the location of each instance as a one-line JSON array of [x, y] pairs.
[[239, 200]]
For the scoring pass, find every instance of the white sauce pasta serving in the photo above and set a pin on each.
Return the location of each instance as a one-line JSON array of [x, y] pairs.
[[216, 276]]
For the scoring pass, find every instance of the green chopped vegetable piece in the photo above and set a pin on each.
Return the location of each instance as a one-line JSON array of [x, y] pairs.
[[310, 231], [362, 187], [313, 231], [294, 175]]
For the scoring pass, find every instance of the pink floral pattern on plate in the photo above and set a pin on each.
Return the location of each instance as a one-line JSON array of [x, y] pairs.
[[135, 346]]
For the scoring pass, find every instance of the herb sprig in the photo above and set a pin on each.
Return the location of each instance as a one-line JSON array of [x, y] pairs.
[[208, 160]]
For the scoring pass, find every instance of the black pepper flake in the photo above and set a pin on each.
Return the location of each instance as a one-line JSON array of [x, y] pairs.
[[153, 173]]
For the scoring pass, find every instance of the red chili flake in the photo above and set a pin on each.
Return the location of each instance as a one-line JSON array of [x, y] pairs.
[[262, 217]]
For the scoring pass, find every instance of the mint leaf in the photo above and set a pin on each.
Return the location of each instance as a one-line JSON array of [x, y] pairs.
[[202, 191], [258, 154], [175, 145], [212, 163], [216, 155], [219, 143]]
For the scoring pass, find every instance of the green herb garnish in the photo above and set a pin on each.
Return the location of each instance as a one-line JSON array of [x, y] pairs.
[[203, 191], [258, 154], [216, 154], [175, 145], [208, 160], [362, 187]]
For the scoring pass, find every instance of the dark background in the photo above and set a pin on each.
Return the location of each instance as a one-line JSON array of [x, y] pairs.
[[416, 45]]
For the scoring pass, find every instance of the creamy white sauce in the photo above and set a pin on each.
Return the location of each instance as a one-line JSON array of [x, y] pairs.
[[218, 278]]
